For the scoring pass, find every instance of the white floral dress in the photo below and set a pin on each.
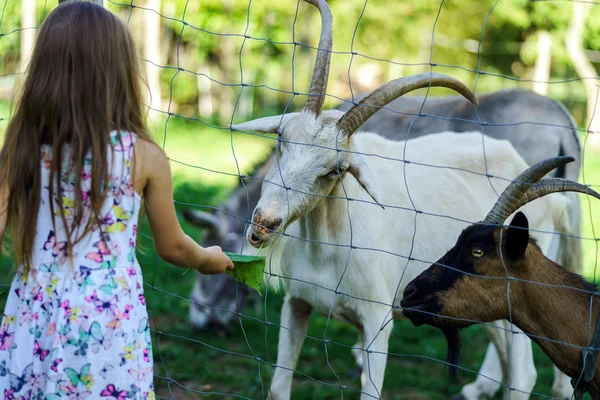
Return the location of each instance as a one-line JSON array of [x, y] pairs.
[[80, 330]]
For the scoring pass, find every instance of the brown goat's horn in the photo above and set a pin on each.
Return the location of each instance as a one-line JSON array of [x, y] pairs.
[[511, 198], [381, 96], [316, 97], [548, 186]]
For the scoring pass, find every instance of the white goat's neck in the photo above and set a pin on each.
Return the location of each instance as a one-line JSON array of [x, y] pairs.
[[559, 313], [330, 216]]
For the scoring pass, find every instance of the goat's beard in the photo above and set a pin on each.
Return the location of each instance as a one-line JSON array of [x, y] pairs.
[[452, 334]]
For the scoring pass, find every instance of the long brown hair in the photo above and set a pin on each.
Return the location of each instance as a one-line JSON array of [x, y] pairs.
[[83, 81]]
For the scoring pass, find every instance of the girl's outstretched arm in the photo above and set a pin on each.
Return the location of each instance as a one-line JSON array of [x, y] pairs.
[[171, 243]]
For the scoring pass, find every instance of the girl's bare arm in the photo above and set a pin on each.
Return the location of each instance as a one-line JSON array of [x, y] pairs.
[[171, 243]]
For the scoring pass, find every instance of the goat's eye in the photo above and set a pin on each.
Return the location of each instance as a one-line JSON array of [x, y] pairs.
[[334, 173], [477, 253], [279, 147]]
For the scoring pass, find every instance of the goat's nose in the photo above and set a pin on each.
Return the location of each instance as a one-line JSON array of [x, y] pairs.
[[410, 290], [272, 224], [265, 222]]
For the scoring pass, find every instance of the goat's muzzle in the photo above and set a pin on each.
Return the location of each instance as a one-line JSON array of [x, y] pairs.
[[263, 228], [417, 306]]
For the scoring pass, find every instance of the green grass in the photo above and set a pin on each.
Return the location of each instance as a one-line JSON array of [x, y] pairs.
[[197, 152], [240, 363]]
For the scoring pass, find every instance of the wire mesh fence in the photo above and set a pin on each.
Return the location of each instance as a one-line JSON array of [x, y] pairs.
[[336, 252]]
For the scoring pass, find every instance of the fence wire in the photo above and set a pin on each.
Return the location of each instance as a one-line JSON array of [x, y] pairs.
[[184, 357]]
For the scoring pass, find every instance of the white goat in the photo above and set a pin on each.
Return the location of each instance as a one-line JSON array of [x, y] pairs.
[[357, 250], [351, 249]]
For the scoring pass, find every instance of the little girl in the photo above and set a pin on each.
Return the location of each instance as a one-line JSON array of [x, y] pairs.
[[76, 161]]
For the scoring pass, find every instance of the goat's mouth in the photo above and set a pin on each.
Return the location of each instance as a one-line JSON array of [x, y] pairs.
[[261, 238], [262, 231], [420, 311]]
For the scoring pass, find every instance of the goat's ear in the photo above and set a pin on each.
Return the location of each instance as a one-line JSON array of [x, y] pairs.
[[361, 171], [266, 125], [517, 237]]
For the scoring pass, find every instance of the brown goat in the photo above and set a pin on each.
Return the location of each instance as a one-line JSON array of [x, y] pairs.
[[495, 272]]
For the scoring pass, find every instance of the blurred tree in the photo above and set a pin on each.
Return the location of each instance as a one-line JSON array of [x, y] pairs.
[[28, 31], [101, 2], [152, 54], [543, 62], [584, 68], [214, 47]]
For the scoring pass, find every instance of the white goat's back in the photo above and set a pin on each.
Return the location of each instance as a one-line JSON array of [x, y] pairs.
[[460, 160]]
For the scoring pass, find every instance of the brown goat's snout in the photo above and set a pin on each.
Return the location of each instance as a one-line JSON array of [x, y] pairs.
[[410, 291], [263, 228], [417, 304]]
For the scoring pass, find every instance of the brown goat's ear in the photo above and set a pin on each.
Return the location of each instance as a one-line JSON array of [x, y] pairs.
[[517, 237]]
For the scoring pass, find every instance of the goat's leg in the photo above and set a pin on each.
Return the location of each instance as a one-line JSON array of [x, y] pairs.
[[509, 358], [521, 369], [357, 351], [561, 387], [490, 374], [294, 321], [375, 355], [488, 379], [198, 314]]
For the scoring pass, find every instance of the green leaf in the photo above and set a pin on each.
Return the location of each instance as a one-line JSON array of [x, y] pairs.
[[248, 270]]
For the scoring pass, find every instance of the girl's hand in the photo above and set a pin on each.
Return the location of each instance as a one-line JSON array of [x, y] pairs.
[[215, 262]]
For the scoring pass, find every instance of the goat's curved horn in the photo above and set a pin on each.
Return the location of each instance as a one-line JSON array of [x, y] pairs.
[[318, 85], [510, 199], [553, 185], [368, 106]]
